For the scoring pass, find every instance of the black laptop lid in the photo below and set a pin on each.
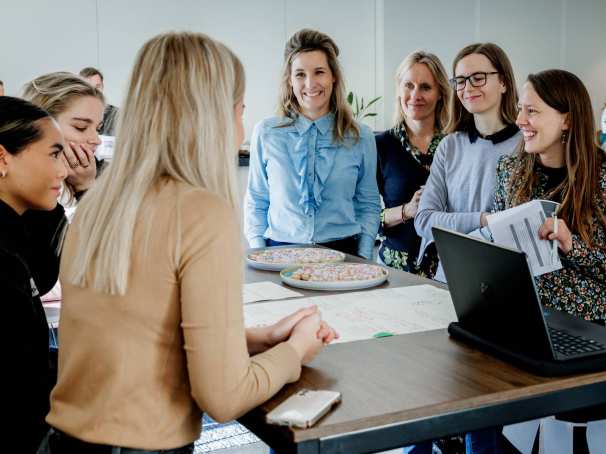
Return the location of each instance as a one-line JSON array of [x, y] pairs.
[[493, 292]]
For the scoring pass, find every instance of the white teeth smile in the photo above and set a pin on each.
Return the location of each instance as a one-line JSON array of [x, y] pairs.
[[312, 94], [528, 134]]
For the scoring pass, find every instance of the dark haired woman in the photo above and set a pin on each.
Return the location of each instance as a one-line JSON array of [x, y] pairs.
[[559, 160], [31, 221]]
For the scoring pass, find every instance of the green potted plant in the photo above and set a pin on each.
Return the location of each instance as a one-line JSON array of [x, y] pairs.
[[359, 109]]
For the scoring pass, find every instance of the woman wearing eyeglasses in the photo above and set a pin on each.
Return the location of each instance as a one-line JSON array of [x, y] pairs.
[[461, 185], [460, 189]]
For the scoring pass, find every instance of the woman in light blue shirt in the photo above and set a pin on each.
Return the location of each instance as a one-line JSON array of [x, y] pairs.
[[312, 175]]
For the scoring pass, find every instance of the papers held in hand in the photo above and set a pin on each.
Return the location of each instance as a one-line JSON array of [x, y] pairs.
[[518, 228]]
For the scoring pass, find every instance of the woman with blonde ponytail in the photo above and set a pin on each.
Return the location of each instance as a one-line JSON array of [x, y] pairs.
[[152, 327], [77, 107]]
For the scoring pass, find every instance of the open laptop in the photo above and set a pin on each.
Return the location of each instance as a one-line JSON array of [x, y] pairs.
[[497, 305]]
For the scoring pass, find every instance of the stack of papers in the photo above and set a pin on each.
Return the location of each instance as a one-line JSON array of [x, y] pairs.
[[518, 228]]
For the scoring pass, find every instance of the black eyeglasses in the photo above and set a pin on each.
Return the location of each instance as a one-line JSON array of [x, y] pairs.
[[476, 80]]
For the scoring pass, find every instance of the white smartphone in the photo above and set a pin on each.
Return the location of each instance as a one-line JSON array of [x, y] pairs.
[[303, 409]]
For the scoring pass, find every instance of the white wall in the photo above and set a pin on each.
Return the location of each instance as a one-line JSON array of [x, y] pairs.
[[374, 35], [535, 34], [71, 34]]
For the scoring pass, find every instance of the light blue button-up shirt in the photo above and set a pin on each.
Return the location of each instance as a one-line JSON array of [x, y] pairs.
[[305, 188]]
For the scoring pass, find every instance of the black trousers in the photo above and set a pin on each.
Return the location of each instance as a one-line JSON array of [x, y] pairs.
[[57, 442]]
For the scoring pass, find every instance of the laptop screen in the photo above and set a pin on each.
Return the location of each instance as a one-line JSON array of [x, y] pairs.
[[493, 292]]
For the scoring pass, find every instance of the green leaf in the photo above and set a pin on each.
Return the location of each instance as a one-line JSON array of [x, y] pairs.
[[350, 98], [370, 114], [373, 101]]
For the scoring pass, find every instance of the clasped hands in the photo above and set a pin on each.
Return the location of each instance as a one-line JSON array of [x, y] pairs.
[[304, 330]]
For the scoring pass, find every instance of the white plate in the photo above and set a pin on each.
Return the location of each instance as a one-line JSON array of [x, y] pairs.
[[281, 266], [334, 285]]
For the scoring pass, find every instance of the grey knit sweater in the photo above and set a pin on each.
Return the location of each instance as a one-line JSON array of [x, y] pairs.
[[462, 181]]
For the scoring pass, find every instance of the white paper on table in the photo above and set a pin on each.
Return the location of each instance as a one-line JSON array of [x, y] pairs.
[[266, 291], [518, 228], [361, 315]]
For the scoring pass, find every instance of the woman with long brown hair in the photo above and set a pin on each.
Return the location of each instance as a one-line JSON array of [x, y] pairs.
[[312, 175], [460, 188], [559, 160]]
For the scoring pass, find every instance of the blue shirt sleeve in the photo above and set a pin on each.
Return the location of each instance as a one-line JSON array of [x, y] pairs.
[[256, 203], [367, 205]]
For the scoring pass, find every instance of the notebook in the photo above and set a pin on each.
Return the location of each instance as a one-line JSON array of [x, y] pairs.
[[499, 310]]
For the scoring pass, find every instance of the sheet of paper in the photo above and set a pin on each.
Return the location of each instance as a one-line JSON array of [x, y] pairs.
[[105, 150], [363, 315], [518, 228], [266, 291]]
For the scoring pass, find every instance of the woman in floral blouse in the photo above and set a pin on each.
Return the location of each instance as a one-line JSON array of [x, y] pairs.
[[405, 153], [559, 160]]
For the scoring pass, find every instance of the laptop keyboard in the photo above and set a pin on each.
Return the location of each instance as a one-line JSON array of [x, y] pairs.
[[567, 344]]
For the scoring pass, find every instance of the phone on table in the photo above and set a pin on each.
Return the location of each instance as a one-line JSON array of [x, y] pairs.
[[304, 408]]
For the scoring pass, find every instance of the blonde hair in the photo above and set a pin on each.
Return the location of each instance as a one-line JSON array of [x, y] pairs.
[[433, 63], [177, 122], [55, 92], [461, 119], [307, 40]]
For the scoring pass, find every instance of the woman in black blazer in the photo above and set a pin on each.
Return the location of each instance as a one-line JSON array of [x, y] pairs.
[[31, 223], [405, 153]]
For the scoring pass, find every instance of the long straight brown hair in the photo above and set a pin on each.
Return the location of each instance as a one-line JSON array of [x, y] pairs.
[[307, 40], [581, 193], [460, 118]]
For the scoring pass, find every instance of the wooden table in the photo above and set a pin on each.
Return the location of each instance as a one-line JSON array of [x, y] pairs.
[[405, 389]]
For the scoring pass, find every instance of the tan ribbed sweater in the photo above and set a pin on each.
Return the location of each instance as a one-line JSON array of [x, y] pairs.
[[137, 370]]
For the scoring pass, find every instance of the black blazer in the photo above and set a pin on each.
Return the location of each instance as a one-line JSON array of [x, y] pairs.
[[29, 267], [399, 176]]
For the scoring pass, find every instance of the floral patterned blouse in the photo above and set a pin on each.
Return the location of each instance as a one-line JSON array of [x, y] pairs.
[[579, 287], [402, 169]]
